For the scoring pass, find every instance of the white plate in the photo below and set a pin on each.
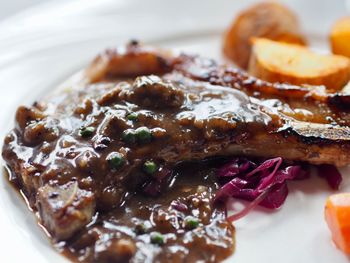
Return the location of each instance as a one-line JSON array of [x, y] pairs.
[[44, 45]]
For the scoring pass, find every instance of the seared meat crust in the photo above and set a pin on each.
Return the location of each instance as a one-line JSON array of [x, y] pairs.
[[141, 104]]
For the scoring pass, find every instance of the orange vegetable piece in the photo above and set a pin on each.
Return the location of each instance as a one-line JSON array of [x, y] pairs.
[[337, 215], [340, 37]]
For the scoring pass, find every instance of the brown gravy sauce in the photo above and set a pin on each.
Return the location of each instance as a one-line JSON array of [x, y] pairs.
[[131, 233]]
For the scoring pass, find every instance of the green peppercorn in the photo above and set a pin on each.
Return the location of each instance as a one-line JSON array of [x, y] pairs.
[[86, 131], [143, 135], [141, 228], [132, 116], [191, 222], [129, 136], [150, 167], [157, 238], [115, 160]]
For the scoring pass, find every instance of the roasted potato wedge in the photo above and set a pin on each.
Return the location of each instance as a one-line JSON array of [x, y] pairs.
[[287, 63], [267, 19], [340, 37]]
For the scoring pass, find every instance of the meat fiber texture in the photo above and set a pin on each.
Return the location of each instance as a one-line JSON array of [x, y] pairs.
[[83, 150]]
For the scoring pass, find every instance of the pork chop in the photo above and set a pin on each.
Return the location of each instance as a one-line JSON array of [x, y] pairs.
[[138, 111]]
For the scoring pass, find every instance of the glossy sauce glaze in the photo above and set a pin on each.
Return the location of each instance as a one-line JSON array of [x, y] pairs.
[[100, 162], [181, 225], [82, 154]]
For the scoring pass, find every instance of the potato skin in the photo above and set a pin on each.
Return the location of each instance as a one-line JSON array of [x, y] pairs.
[[340, 37], [267, 19], [288, 63]]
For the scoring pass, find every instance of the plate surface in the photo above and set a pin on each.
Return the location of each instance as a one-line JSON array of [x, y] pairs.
[[44, 45]]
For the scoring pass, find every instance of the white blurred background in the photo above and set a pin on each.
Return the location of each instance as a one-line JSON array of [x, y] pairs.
[[9, 7]]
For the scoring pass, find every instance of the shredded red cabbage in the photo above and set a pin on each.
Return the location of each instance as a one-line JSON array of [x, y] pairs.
[[331, 174], [263, 184]]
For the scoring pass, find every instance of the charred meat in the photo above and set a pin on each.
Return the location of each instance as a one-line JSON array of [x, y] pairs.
[[83, 157]]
